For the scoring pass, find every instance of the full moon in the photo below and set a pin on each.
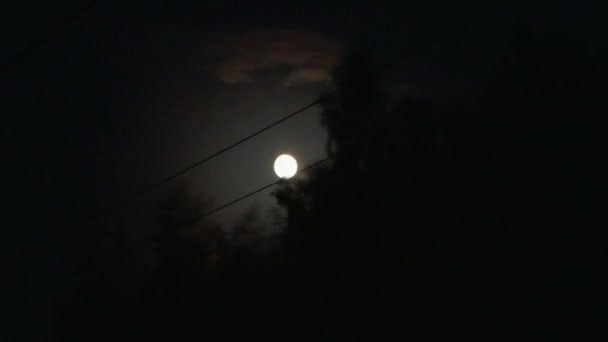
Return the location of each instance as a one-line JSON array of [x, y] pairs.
[[285, 166]]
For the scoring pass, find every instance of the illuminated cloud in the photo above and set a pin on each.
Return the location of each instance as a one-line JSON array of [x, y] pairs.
[[306, 56]]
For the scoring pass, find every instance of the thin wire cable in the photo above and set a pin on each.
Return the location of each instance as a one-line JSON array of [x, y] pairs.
[[259, 190], [155, 185], [165, 180], [48, 36], [455, 29]]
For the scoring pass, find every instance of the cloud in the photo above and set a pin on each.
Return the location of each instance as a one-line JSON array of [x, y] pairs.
[[306, 56], [307, 75]]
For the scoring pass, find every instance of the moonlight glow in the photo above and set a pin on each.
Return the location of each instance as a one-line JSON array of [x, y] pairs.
[[285, 166]]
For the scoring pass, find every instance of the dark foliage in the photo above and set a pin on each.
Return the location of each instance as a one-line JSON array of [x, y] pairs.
[[428, 216]]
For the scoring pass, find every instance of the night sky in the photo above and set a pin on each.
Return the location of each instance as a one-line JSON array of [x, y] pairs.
[[133, 92]]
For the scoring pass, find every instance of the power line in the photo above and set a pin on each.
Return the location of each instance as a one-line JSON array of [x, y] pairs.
[[155, 185], [259, 190], [435, 40], [165, 180], [48, 36]]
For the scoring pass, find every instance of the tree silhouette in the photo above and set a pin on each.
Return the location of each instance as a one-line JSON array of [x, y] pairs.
[[189, 249], [105, 290], [434, 203]]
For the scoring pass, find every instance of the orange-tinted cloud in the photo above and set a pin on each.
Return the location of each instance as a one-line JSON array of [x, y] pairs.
[[238, 57]]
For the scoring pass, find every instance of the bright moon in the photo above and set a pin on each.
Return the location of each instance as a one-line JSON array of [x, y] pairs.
[[285, 166]]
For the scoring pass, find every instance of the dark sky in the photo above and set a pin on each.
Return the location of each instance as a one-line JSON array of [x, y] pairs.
[[132, 92]]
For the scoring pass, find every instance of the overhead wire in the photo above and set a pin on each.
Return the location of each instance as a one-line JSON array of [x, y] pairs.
[[28, 50], [167, 179], [223, 206]]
